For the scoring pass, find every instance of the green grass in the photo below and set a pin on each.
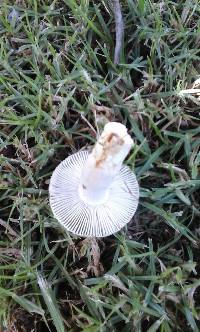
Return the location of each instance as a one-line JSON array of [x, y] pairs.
[[58, 82]]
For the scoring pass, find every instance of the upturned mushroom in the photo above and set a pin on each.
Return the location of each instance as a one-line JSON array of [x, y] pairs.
[[94, 194]]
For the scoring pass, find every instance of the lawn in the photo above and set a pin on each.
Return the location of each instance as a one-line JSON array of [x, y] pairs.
[[59, 85]]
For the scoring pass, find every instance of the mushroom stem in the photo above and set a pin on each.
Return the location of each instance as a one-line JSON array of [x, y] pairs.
[[104, 163]]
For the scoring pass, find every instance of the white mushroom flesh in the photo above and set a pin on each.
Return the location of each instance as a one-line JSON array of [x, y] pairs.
[[104, 163]]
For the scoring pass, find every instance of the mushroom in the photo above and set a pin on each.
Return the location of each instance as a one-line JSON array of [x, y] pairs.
[[94, 194]]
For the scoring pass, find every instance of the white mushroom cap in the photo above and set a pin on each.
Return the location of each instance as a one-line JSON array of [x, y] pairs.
[[94, 197]]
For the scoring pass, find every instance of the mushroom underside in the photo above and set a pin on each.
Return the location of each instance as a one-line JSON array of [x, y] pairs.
[[91, 220]]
